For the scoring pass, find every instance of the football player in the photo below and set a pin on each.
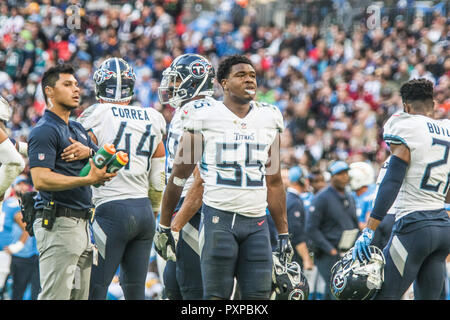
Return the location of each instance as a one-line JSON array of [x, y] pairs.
[[190, 77], [12, 163], [362, 184], [233, 140], [417, 178], [124, 222]]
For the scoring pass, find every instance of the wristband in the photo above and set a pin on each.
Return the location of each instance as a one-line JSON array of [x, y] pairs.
[[179, 182], [23, 148], [16, 247]]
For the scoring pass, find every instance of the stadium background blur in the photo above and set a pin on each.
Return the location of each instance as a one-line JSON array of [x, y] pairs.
[[333, 67]]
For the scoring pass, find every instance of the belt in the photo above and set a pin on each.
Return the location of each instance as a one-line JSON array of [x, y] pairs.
[[68, 212]]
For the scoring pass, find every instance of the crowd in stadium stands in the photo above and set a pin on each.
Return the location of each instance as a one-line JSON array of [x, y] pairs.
[[335, 86]]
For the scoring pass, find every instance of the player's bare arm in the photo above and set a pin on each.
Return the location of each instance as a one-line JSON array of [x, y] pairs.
[[191, 204], [3, 135], [157, 177], [276, 195], [188, 154]]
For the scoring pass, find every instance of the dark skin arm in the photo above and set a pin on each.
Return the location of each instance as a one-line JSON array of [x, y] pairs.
[[191, 204], [189, 152], [276, 195], [403, 153]]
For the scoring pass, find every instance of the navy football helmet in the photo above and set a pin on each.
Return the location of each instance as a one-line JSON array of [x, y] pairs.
[[188, 76], [288, 280], [114, 81], [355, 280]]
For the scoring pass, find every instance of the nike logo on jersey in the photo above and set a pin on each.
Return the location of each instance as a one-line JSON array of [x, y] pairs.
[[260, 223]]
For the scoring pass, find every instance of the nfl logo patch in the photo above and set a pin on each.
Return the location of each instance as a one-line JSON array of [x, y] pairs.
[[41, 156], [243, 125], [215, 219]]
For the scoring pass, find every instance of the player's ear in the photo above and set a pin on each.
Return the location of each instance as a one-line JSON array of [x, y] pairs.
[[49, 92], [406, 107], [224, 84]]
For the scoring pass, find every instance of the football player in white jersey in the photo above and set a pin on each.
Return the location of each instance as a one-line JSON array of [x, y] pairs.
[[189, 77], [11, 165], [124, 222], [417, 179], [11, 161], [237, 145]]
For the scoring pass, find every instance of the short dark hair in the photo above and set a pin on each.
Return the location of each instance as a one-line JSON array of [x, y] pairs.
[[417, 89], [52, 75], [225, 66]]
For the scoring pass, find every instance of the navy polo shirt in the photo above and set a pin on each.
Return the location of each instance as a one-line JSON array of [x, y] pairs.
[[295, 216], [296, 219], [46, 143], [329, 215]]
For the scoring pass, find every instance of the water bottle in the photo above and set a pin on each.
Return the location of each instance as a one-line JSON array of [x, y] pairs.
[[101, 158]]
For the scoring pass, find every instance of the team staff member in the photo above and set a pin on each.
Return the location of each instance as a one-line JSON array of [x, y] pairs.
[[63, 243], [332, 212], [296, 217]]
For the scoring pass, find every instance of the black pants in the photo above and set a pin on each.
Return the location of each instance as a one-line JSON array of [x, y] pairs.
[[124, 235], [324, 263], [235, 246], [25, 271]]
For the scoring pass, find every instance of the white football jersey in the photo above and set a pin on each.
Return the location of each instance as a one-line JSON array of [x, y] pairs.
[[134, 130], [235, 153], [427, 177], [173, 138]]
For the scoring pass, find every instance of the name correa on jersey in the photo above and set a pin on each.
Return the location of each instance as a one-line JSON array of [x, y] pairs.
[[134, 114]]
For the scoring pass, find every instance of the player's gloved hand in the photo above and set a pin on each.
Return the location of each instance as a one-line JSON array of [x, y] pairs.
[[165, 242], [362, 245], [285, 249]]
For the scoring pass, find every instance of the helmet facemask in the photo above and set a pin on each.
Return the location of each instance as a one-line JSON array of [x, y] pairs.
[[288, 281], [368, 275]]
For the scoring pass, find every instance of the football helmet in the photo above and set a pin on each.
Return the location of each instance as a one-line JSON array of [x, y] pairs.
[[188, 76], [114, 81], [355, 280], [361, 174], [288, 280]]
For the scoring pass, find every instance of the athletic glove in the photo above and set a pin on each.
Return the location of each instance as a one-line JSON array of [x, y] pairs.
[[165, 242], [285, 249], [362, 245]]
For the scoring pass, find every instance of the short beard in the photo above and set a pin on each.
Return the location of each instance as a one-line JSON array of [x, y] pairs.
[[68, 107]]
